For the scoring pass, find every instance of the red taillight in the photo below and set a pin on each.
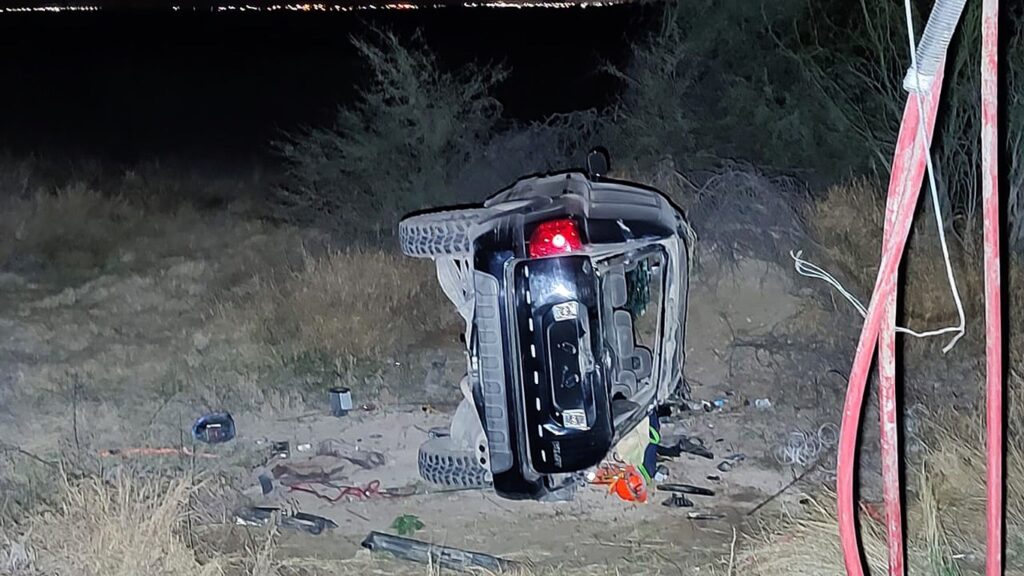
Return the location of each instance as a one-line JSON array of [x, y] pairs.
[[555, 237]]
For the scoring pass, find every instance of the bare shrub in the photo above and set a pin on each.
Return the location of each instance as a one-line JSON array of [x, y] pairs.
[[651, 120], [397, 148]]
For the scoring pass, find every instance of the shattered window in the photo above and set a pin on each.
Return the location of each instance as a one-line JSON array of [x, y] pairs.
[[644, 286]]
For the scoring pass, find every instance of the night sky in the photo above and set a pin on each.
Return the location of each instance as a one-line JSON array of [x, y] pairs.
[[131, 85]]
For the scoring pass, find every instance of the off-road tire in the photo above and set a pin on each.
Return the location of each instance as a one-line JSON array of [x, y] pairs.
[[439, 233], [441, 465]]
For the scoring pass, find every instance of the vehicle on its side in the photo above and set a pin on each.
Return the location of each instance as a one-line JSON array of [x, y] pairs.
[[574, 291]]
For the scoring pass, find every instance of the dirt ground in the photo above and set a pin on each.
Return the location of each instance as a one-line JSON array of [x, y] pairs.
[[99, 365]]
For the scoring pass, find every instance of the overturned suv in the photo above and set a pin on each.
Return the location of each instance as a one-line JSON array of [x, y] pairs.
[[573, 287]]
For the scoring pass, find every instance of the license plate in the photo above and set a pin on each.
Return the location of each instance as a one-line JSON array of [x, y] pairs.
[[564, 311], [576, 419]]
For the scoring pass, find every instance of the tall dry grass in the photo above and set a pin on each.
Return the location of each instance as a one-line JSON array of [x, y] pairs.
[[70, 228], [945, 510], [848, 223], [352, 304], [125, 527]]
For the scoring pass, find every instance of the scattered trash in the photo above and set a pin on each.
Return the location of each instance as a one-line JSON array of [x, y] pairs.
[[685, 445], [369, 491], [434, 555], [661, 473], [370, 461], [678, 501], [763, 404], [214, 428], [730, 462], [412, 490], [304, 447], [289, 474], [687, 489], [803, 448], [719, 403], [266, 484], [407, 524], [331, 447], [368, 407], [704, 516], [625, 481], [714, 478], [341, 401], [280, 450], [262, 515]]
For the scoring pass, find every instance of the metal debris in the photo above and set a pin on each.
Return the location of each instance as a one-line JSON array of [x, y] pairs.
[[435, 555]]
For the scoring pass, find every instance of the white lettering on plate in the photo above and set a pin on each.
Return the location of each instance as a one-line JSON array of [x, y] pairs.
[[576, 419], [564, 311]]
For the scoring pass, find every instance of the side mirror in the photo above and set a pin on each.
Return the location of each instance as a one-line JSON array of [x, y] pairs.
[[598, 163]]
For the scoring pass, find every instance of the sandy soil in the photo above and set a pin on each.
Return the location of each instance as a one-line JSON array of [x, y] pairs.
[[100, 365]]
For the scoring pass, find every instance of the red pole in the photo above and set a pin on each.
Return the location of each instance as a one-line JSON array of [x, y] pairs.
[[904, 187], [993, 308]]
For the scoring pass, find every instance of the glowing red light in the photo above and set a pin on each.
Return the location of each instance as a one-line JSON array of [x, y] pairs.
[[555, 237]]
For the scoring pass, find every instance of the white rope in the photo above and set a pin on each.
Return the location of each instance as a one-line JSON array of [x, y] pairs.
[[810, 270], [961, 328]]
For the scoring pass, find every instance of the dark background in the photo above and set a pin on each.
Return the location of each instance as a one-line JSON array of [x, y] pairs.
[[132, 86]]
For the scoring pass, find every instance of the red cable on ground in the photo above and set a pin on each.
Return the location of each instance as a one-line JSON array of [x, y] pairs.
[[993, 307], [904, 188]]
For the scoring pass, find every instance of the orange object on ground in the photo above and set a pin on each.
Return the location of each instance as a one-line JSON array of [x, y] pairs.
[[625, 481]]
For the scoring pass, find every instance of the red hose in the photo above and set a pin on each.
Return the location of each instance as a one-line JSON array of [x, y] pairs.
[[993, 307], [889, 420], [904, 188]]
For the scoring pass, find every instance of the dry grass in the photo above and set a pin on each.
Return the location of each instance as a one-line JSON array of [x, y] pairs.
[[125, 527], [945, 515], [957, 464], [352, 305], [133, 525], [72, 228], [808, 546], [946, 511], [848, 222]]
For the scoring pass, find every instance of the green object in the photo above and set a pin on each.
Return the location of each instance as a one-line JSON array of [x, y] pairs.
[[655, 436], [638, 295], [407, 524]]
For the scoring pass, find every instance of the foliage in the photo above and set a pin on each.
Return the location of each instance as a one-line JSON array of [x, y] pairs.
[[397, 148], [861, 73], [814, 86], [714, 82]]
